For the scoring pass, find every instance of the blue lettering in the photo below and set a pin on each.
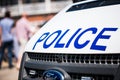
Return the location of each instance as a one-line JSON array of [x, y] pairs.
[[58, 36], [58, 44], [48, 45], [101, 36], [68, 43], [41, 39], [77, 45]]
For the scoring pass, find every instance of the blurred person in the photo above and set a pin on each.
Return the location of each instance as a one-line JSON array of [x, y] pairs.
[[15, 42], [23, 30], [6, 38]]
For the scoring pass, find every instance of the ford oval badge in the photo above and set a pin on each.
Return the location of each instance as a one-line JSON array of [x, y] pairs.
[[53, 75]]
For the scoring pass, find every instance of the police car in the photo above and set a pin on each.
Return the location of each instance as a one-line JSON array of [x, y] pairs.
[[82, 42]]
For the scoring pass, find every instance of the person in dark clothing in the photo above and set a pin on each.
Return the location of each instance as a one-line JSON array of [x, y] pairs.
[[6, 38]]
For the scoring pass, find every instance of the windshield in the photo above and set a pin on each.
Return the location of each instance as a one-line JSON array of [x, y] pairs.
[[93, 4]]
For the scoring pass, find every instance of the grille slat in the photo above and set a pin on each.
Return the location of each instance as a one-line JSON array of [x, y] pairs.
[[77, 58], [74, 76]]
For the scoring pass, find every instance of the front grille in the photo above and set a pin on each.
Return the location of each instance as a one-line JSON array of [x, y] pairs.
[[74, 76], [76, 58], [111, 59]]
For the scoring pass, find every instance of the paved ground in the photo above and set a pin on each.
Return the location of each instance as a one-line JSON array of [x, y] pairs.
[[8, 74]]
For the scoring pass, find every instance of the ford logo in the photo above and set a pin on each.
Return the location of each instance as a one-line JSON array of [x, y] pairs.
[[53, 75]]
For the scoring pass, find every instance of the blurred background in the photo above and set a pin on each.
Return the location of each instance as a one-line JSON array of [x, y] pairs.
[[38, 12]]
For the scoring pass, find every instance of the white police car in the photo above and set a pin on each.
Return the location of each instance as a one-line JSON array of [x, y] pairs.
[[82, 42]]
